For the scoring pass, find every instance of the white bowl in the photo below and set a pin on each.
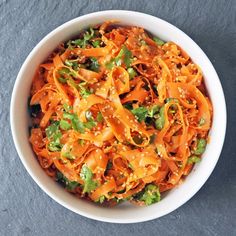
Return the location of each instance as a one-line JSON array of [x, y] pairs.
[[124, 213]]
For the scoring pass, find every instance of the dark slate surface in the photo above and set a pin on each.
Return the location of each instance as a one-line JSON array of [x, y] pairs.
[[26, 210]]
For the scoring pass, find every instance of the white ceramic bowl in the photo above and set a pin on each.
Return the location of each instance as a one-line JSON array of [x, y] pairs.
[[124, 213]]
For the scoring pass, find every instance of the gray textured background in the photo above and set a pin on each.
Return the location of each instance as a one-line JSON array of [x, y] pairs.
[[26, 210]]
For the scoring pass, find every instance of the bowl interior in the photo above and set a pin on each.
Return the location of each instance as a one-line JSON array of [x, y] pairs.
[[124, 213]]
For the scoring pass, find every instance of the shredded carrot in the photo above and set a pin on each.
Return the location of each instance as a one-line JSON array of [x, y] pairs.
[[119, 111]]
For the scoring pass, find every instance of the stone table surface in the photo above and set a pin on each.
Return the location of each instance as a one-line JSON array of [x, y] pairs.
[[26, 210]]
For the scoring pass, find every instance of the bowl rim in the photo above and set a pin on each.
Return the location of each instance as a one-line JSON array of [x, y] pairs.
[[38, 181]]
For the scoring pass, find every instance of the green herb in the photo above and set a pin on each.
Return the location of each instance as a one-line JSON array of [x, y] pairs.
[[83, 90], [109, 65], [132, 72], [158, 41], [140, 113], [62, 80], [54, 135], [89, 34], [54, 146], [160, 121], [193, 159], [150, 195], [99, 117], [176, 100], [68, 155], [73, 64], [79, 125], [65, 125], [70, 185], [153, 110], [68, 63], [52, 129], [201, 146], [75, 122], [96, 43], [124, 56], [84, 41], [87, 176], [128, 106], [90, 124], [78, 42], [94, 66], [66, 72]]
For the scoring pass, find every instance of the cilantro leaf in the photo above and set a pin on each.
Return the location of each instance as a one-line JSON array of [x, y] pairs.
[[149, 195], [83, 41], [124, 56], [153, 110], [73, 64], [68, 155], [87, 176], [94, 66], [75, 122], [62, 80], [96, 43], [70, 185], [66, 72], [83, 90], [65, 125], [140, 113], [90, 124], [128, 106], [52, 129], [54, 135]]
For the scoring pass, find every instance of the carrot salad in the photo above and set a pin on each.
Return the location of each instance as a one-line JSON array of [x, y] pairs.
[[118, 114]]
